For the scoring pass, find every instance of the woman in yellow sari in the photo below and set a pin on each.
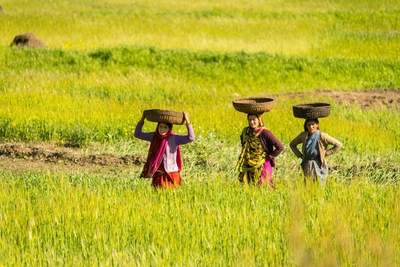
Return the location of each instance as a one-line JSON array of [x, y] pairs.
[[259, 149]]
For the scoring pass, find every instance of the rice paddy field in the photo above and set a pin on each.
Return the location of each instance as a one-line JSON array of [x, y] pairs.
[[107, 61]]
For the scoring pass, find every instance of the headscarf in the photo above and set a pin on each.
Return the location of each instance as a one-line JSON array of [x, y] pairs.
[[311, 146], [259, 118], [156, 151], [261, 127]]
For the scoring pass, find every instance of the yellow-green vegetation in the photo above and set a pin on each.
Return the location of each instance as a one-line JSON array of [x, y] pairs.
[[50, 219], [109, 60]]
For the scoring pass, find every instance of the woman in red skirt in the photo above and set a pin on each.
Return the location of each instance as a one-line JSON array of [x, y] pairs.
[[164, 161]]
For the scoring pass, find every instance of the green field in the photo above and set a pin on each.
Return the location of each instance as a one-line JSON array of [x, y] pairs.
[[107, 61]]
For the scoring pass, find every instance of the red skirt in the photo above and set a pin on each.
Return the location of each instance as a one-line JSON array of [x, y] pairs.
[[166, 179]]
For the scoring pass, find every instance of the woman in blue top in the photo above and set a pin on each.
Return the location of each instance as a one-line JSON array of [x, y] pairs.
[[314, 150]]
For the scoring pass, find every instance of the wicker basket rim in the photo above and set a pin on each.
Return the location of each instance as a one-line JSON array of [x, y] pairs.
[[160, 115], [312, 105], [253, 105], [257, 99], [312, 110], [162, 111]]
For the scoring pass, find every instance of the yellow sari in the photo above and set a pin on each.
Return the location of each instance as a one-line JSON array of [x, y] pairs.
[[252, 158]]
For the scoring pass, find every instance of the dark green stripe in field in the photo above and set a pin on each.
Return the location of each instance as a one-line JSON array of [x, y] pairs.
[[237, 69]]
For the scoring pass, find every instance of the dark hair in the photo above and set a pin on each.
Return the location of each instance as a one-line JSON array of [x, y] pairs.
[[254, 114], [307, 120], [167, 123]]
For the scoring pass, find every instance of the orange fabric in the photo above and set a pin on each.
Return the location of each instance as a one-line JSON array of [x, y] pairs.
[[166, 179]]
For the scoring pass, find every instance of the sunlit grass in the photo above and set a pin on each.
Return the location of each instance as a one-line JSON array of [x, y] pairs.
[[289, 28], [84, 97], [73, 219], [107, 61]]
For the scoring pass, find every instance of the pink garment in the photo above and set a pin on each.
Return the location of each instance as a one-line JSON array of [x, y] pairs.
[[156, 153], [266, 175], [171, 157]]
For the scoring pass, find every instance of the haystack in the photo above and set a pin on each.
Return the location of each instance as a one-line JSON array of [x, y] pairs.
[[27, 40]]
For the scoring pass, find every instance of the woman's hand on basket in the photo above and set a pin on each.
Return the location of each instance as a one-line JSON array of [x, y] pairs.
[[142, 118], [186, 117]]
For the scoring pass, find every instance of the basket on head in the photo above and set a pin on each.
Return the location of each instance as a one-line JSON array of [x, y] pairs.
[[253, 105], [165, 116], [312, 110]]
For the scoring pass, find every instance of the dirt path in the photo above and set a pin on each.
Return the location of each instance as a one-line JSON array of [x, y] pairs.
[[24, 157], [389, 98]]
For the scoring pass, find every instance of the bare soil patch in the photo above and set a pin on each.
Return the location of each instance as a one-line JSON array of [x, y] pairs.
[[372, 98], [22, 157]]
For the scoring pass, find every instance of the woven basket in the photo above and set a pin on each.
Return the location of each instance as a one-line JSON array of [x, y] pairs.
[[165, 116], [312, 110], [253, 105]]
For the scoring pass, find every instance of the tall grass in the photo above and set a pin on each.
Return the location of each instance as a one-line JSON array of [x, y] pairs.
[[71, 219]]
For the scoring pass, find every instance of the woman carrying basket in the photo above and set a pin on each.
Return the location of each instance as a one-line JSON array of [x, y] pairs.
[[259, 149], [164, 161], [314, 150]]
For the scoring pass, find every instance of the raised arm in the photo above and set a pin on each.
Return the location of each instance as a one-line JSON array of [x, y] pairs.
[[186, 117], [184, 139], [138, 130]]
